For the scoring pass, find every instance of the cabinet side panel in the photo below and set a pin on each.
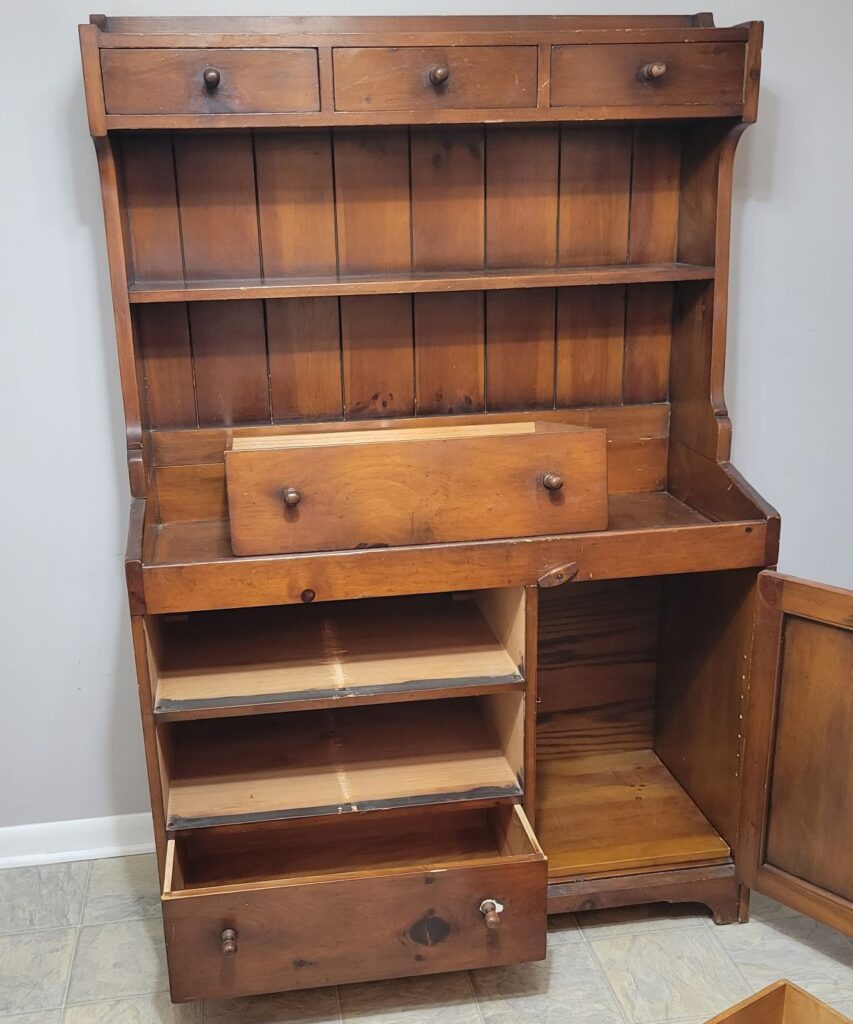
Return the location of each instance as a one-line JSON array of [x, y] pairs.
[[705, 651]]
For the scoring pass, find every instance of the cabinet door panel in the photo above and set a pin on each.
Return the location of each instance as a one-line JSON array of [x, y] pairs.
[[798, 830]]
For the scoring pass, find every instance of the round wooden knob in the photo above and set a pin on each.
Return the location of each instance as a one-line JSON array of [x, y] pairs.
[[211, 77], [291, 497], [229, 942], [439, 74], [491, 911], [552, 481], [654, 70]]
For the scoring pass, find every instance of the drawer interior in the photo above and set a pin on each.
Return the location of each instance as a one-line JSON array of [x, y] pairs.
[[399, 841], [299, 657]]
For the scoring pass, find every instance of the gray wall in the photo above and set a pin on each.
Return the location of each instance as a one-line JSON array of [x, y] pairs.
[[69, 732]]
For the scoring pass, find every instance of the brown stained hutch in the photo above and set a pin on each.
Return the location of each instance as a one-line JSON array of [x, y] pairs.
[[448, 607]]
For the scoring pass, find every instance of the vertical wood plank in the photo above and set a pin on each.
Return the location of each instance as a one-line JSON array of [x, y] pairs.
[[520, 339], [521, 197], [654, 194], [167, 366], [595, 183], [372, 207], [648, 341], [378, 361], [305, 358], [448, 198], [590, 345], [151, 208], [296, 208], [229, 357], [219, 216], [449, 352]]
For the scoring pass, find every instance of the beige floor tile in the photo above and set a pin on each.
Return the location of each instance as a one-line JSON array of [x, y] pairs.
[[121, 888], [49, 896], [156, 1009], [34, 969], [648, 917], [669, 975], [312, 1006], [564, 928], [114, 961], [39, 1017], [567, 988], [794, 947], [434, 999], [762, 908]]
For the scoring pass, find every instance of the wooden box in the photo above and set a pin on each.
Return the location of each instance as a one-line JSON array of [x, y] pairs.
[[782, 1003]]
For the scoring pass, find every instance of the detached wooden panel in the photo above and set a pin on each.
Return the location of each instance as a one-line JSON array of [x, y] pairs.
[[448, 198], [449, 353], [304, 342], [655, 195], [521, 197], [378, 358], [648, 341], [219, 214], [372, 190], [230, 362], [151, 208], [590, 345], [163, 337], [595, 190], [296, 206], [520, 340]]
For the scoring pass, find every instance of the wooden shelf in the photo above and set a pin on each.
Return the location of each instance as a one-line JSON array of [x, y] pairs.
[[276, 767], [618, 812], [246, 661], [414, 282]]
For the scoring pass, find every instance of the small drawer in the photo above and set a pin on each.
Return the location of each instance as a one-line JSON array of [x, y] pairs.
[[435, 77], [638, 74], [210, 81], [330, 902], [424, 485]]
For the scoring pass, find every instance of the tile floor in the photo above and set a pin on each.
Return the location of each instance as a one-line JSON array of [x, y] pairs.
[[82, 943]]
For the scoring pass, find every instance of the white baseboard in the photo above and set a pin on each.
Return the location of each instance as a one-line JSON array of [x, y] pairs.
[[83, 839]]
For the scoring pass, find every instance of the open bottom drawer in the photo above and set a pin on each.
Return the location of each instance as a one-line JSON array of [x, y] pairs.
[[380, 896]]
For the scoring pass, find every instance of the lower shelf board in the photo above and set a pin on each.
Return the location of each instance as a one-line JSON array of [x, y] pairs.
[[618, 812], [277, 767]]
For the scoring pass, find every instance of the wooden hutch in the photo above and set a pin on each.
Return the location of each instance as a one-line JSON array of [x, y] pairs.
[[448, 607]]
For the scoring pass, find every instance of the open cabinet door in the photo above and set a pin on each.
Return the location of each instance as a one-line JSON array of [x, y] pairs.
[[797, 831]]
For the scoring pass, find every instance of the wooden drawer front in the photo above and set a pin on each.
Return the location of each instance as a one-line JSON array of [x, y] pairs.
[[615, 75], [398, 78], [382, 489], [172, 81], [359, 926]]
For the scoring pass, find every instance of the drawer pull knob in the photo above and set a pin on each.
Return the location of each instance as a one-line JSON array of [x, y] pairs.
[[229, 942], [552, 481], [211, 77], [491, 911], [439, 74], [291, 497], [656, 69]]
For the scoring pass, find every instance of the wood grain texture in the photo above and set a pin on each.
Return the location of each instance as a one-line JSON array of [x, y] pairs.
[[219, 216], [590, 346], [449, 353], [304, 345], [378, 356], [296, 208], [163, 338], [648, 341], [151, 208], [230, 362], [655, 182], [520, 346]]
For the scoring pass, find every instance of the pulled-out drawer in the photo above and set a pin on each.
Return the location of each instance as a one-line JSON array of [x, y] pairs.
[[654, 74], [423, 485], [435, 77], [213, 81], [331, 902]]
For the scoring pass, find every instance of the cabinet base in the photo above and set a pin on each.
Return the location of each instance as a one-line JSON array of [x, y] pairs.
[[714, 886]]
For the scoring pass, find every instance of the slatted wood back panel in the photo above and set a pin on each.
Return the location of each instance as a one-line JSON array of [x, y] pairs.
[[255, 206]]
